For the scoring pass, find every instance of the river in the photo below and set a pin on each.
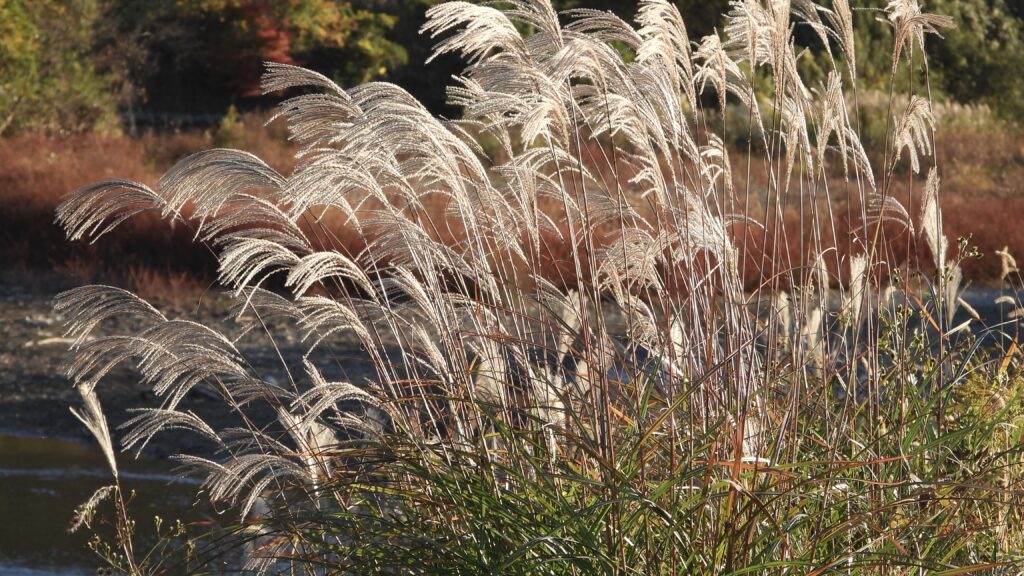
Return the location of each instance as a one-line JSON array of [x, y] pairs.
[[42, 481]]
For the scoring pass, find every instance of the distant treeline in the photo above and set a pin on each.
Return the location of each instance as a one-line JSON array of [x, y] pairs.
[[72, 66]]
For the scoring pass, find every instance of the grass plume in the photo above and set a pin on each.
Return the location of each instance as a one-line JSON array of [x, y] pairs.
[[639, 408]]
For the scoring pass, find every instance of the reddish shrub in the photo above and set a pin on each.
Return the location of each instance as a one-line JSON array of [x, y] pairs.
[[979, 197]]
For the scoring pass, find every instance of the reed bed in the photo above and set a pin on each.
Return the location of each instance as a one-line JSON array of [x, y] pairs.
[[642, 407]]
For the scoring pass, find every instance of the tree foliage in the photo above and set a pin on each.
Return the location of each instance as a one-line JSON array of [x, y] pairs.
[[69, 65], [978, 60], [47, 78], [220, 46], [982, 58]]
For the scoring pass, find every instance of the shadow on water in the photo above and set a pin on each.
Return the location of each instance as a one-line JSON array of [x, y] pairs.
[[42, 481]]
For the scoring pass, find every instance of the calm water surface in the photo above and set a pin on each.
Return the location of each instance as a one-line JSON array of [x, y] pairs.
[[41, 483]]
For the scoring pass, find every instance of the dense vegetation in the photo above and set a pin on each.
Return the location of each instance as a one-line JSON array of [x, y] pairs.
[[83, 65], [544, 356]]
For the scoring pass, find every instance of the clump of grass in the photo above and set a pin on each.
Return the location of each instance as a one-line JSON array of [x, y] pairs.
[[636, 410]]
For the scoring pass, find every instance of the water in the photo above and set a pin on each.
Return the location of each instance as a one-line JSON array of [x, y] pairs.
[[42, 481]]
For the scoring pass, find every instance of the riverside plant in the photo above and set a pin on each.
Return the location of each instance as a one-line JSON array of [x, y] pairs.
[[570, 372]]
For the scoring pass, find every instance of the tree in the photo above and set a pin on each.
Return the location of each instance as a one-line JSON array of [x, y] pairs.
[[206, 54], [978, 60], [981, 59], [47, 80]]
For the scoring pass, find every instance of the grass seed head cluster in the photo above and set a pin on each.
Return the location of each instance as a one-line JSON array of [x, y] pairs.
[[571, 374]]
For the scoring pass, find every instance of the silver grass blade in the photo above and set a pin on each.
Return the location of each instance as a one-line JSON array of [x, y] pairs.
[[584, 58], [601, 25], [890, 299], [782, 315], [818, 277], [750, 34], [666, 42], [725, 76], [278, 77], [245, 216], [642, 325], [971, 311], [173, 357], [795, 136], [931, 221], [565, 307], [245, 391], [811, 13], [858, 292], [425, 344], [910, 25], [329, 178], [811, 335], [700, 231], [84, 512], [633, 259], [256, 308], [541, 15], [403, 243], [603, 207], [313, 442], [716, 164], [314, 120], [248, 440], [92, 360], [324, 394], [889, 209], [323, 317], [208, 180], [317, 267], [88, 306], [241, 480], [92, 211], [1007, 263], [834, 120], [913, 132], [859, 156], [148, 422], [841, 20], [953, 276], [247, 263], [93, 419], [480, 31]]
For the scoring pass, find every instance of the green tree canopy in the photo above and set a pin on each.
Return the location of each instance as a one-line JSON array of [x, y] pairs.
[[982, 58], [68, 65], [47, 79]]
